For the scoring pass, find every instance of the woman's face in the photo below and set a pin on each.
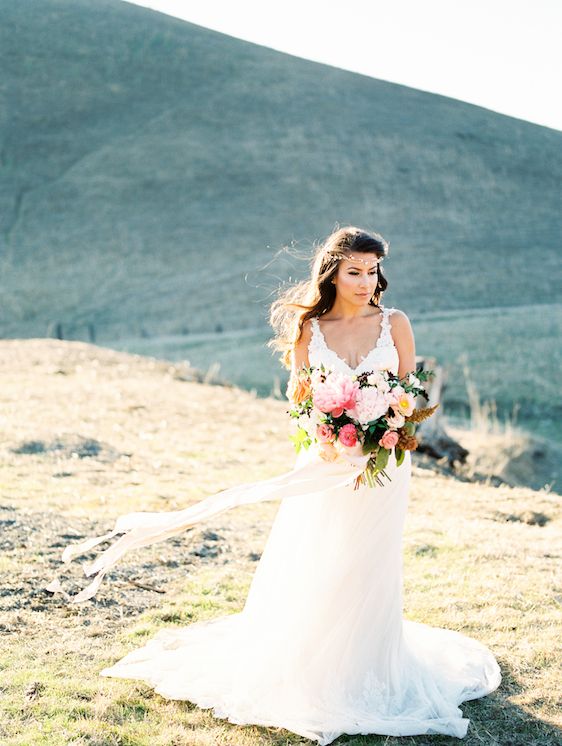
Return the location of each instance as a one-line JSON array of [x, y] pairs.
[[356, 281]]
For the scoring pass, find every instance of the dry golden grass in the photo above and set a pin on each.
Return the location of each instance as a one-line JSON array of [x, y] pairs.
[[481, 559]]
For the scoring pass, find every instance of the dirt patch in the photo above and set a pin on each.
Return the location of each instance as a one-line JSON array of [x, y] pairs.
[[530, 517], [70, 445]]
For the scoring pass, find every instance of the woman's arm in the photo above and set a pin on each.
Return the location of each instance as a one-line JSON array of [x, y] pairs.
[[403, 337], [327, 451], [299, 356], [300, 350]]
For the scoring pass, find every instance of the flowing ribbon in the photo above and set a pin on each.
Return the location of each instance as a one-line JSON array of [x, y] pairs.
[[313, 477]]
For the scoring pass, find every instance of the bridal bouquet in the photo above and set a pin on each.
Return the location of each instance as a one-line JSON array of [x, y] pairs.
[[370, 413]]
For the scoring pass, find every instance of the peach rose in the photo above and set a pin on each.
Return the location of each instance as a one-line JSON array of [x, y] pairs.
[[324, 432], [328, 452], [389, 439]]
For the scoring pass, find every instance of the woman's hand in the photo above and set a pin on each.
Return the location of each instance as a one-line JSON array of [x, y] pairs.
[[356, 450]]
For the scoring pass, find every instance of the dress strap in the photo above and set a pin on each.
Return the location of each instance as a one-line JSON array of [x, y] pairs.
[[316, 343], [316, 331], [386, 336]]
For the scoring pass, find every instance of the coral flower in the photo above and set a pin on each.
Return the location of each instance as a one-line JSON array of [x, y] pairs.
[[404, 404], [348, 435], [298, 389]]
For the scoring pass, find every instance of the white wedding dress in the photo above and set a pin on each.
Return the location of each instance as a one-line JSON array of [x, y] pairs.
[[321, 647]]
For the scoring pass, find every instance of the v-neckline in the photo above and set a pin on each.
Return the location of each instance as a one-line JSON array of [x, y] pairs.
[[353, 370]]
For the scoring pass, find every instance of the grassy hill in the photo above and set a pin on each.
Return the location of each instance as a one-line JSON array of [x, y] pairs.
[[152, 169], [90, 434]]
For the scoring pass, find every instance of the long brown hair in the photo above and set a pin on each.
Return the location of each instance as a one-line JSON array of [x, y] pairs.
[[316, 296]]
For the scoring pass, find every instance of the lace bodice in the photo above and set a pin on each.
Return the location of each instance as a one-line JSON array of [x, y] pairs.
[[383, 355]]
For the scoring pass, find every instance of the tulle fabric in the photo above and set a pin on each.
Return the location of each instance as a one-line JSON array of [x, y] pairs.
[[321, 647]]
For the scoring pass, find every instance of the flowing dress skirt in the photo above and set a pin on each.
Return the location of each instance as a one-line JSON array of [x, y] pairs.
[[321, 647]]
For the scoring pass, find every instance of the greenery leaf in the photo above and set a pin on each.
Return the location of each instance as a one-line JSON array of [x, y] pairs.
[[300, 439], [382, 457]]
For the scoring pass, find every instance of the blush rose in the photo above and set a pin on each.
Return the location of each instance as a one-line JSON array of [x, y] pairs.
[[389, 439]]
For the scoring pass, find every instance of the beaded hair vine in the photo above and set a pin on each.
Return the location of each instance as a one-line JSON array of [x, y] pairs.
[[367, 262]]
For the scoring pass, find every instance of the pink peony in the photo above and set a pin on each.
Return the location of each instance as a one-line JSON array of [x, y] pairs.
[[389, 439], [348, 435], [370, 405], [338, 392], [324, 432]]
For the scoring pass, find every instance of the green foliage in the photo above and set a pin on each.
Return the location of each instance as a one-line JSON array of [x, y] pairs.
[[410, 427], [301, 439], [382, 457], [372, 436]]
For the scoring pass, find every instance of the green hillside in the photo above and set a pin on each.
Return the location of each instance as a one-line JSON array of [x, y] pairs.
[[151, 169]]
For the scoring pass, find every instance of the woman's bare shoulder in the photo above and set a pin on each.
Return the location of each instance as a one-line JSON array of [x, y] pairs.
[[397, 316], [400, 326]]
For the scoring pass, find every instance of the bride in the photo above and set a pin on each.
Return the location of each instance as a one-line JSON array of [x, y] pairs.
[[321, 647]]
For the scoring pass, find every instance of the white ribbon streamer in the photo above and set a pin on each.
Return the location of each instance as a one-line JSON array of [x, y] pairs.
[[313, 477]]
